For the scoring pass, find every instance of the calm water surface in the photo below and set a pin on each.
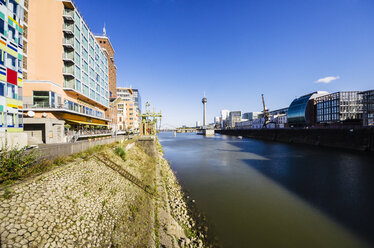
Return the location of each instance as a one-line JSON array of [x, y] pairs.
[[264, 194]]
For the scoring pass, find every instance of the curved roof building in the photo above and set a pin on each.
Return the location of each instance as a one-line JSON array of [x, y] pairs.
[[300, 112]]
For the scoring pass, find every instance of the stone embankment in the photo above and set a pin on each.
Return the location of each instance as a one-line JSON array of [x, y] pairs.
[[86, 204], [361, 139]]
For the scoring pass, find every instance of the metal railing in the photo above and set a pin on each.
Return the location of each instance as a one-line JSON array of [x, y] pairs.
[[69, 12], [69, 69], [57, 106], [68, 55], [68, 27], [68, 41]]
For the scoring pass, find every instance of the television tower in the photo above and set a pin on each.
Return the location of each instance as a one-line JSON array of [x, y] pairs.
[[204, 101]]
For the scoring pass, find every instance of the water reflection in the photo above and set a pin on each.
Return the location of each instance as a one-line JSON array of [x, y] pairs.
[[248, 187]]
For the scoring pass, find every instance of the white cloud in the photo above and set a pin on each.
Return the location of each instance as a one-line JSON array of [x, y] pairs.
[[326, 80]]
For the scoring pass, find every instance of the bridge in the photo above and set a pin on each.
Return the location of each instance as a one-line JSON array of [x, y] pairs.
[[171, 128]]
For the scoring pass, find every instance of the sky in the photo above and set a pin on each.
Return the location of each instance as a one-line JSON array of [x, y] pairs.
[[235, 50]]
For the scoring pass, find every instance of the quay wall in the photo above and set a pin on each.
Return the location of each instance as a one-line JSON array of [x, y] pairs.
[[361, 139], [52, 151]]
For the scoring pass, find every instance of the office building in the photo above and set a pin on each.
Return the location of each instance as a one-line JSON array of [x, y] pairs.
[[339, 108], [67, 72], [234, 117], [301, 112], [368, 107], [11, 71]]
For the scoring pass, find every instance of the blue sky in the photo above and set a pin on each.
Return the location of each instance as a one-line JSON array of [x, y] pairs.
[[235, 50]]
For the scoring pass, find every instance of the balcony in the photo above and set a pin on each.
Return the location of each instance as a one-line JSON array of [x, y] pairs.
[[68, 71], [68, 28], [45, 107], [68, 42], [68, 14], [68, 57]]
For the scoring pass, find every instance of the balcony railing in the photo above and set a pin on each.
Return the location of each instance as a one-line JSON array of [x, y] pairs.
[[68, 56], [57, 106], [68, 28], [68, 42], [69, 13], [69, 69]]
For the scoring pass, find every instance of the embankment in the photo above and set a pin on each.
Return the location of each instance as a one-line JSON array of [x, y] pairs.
[[361, 139], [84, 203]]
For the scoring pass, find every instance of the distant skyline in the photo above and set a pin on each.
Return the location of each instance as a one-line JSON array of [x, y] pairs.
[[175, 50]]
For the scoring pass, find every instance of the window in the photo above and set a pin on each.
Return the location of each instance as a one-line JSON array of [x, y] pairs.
[[20, 93], [2, 29], [2, 57], [11, 91], [2, 121], [85, 90], [41, 98], [78, 85], [11, 62], [11, 33], [20, 120], [2, 89], [53, 100], [10, 120]]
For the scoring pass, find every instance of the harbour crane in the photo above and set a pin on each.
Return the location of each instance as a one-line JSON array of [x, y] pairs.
[[265, 114], [149, 121]]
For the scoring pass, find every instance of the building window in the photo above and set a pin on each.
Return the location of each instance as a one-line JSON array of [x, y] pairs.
[[2, 57], [2, 29], [11, 62], [2, 89], [41, 99], [10, 120], [11, 91], [2, 121], [11, 33], [20, 120]]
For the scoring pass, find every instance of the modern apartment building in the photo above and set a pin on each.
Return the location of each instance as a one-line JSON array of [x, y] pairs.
[[11, 57], [112, 69], [339, 107], [368, 107], [67, 72], [127, 111], [106, 45]]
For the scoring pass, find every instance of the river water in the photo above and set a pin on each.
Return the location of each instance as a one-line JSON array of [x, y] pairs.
[[267, 194]]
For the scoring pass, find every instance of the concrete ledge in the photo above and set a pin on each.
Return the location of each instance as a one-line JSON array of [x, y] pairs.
[[361, 139], [13, 139]]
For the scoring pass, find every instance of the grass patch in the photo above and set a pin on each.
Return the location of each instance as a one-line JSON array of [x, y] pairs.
[[120, 152], [15, 163]]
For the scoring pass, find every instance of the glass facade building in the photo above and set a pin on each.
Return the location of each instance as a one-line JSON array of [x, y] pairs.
[[339, 107], [85, 64], [368, 107], [301, 110], [11, 61]]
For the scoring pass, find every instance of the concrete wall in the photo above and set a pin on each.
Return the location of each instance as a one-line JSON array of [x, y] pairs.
[[13, 139], [59, 150], [52, 129], [361, 139], [148, 144]]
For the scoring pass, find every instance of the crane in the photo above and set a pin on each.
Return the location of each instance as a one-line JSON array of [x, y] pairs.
[[149, 121], [265, 113]]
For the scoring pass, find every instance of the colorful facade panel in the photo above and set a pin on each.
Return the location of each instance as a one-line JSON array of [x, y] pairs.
[[11, 56]]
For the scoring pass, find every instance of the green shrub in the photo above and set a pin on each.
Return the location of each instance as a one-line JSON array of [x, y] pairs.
[[14, 162], [120, 152]]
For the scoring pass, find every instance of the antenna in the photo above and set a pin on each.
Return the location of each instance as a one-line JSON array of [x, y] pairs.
[[104, 30]]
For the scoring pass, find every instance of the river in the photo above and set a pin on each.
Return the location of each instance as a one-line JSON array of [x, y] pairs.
[[267, 194]]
